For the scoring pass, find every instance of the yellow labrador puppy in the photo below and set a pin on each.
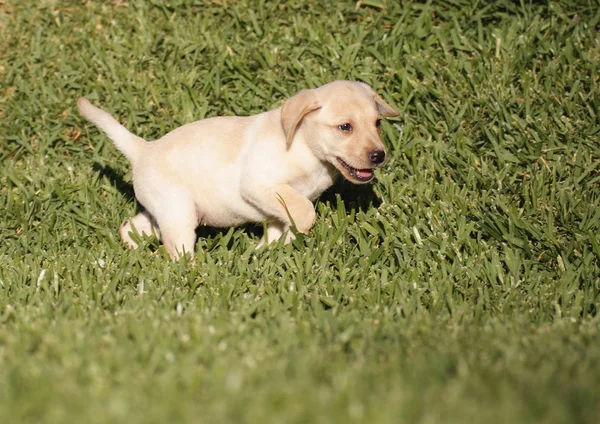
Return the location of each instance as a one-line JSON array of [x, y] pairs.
[[227, 171]]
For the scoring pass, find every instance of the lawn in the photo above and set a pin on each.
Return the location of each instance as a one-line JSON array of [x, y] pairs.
[[463, 285]]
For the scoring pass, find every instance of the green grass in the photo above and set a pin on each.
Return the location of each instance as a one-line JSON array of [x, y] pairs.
[[462, 286]]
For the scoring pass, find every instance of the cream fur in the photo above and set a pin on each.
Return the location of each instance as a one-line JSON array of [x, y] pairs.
[[227, 171]]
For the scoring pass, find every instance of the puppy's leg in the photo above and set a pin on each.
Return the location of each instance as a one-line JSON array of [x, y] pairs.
[[274, 232], [177, 223], [285, 205], [141, 224]]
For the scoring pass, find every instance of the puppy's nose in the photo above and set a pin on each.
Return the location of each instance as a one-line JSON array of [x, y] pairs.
[[377, 156]]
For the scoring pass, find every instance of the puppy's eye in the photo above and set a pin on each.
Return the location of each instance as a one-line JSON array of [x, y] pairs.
[[345, 127], [378, 123]]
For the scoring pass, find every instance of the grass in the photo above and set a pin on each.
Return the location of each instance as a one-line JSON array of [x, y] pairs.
[[462, 286]]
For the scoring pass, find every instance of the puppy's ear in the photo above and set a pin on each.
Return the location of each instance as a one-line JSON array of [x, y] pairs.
[[294, 110], [383, 108]]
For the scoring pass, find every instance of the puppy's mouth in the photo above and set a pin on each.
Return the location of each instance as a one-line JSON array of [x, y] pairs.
[[355, 174]]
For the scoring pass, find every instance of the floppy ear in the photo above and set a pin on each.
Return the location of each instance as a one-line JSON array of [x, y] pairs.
[[383, 108], [294, 110]]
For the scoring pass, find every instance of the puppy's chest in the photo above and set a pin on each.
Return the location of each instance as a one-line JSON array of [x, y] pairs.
[[311, 184]]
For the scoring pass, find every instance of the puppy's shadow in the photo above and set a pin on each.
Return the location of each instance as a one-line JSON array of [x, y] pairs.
[[116, 179], [359, 197], [208, 233]]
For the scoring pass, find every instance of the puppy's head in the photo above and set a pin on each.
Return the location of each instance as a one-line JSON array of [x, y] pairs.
[[340, 122]]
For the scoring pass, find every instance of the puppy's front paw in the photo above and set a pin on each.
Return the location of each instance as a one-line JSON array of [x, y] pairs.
[[262, 243], [274, 232], [125, 230], [274, 236]]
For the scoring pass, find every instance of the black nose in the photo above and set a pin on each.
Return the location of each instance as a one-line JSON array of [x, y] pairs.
[[377, 156]]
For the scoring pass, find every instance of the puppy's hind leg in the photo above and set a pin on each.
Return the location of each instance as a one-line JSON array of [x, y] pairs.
[[177, 224], [142, 224]]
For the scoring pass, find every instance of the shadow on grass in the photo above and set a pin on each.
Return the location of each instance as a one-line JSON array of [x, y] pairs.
[[359, 197], [116, 179], [209, 233]]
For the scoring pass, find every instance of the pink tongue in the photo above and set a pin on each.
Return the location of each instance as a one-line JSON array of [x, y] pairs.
[[364, 173]]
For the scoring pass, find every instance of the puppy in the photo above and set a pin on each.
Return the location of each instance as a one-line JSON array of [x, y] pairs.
[[227, 171]]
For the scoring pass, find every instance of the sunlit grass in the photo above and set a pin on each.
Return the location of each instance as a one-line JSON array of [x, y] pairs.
[[462, 286]]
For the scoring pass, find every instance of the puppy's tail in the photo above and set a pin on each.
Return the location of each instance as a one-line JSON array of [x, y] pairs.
[[127, 143]]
